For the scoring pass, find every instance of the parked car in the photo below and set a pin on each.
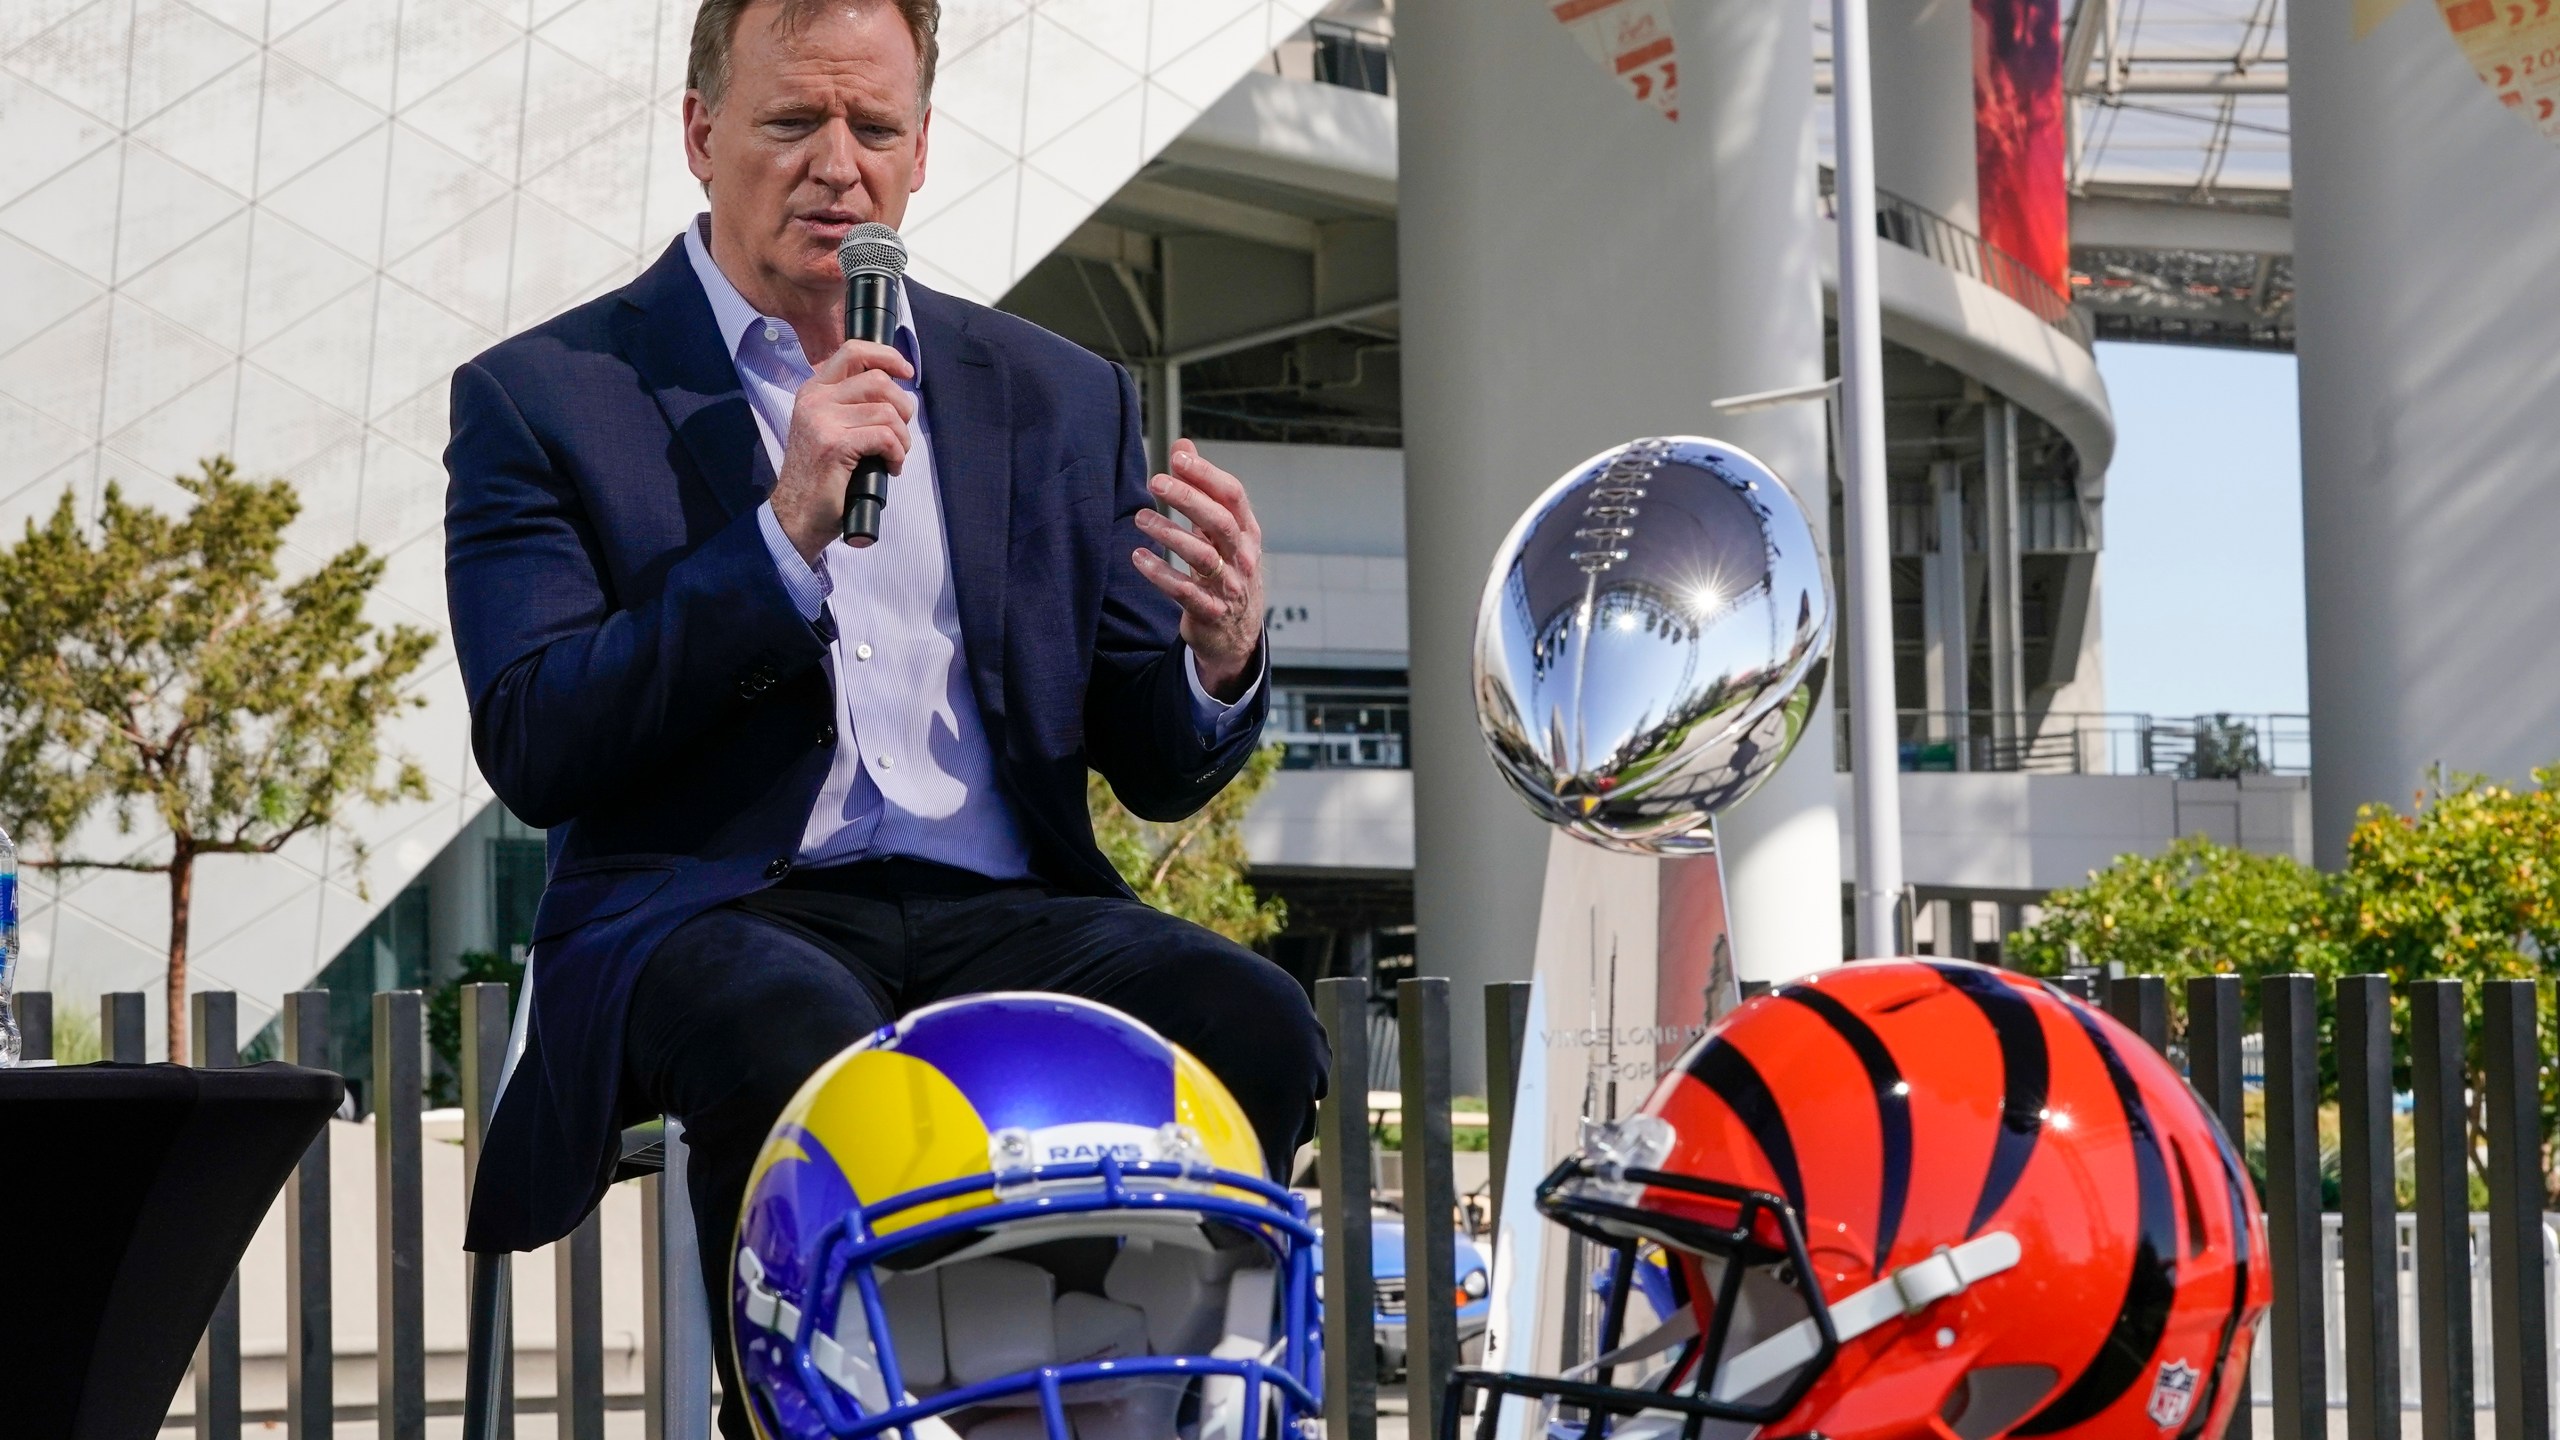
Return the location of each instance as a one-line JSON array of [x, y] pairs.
[[1474, 1271]]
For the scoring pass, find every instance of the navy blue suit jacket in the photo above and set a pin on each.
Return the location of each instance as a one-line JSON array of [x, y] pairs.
[[642, 686]]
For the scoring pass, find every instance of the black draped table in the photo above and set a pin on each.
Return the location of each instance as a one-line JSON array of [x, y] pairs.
[[127, 1195]]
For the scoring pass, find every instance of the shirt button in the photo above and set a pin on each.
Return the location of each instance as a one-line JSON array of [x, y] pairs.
[[861, 652], [888, 762], [772, 334], [777, 869]]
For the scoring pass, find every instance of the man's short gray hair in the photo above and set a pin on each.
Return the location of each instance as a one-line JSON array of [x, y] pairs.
[[716, 25]]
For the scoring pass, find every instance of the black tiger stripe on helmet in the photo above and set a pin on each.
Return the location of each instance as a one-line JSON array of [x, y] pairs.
[[1730, 1074], [2152, 1285], [1893, 1107], [2232, 1181], [2026, 1080]]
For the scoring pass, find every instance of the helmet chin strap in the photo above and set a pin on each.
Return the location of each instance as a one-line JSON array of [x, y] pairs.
[[1904, 1293], [1670, 1333]]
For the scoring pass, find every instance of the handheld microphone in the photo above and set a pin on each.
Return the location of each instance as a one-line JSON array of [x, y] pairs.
[[872, 258]]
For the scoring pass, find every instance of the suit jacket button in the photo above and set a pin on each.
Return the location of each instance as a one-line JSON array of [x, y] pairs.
[[826, 736], [777, 869]]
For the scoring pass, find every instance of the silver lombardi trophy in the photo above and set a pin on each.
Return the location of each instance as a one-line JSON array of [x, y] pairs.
[[1651, 643]]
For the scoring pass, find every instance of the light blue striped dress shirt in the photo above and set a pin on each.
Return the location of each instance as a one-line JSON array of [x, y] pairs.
[[914, 774]]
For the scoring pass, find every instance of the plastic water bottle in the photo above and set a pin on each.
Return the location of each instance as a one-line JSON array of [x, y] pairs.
[[8, 951]]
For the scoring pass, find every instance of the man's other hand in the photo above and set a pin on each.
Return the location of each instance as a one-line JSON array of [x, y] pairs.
[[1221, 598], [851, 406]]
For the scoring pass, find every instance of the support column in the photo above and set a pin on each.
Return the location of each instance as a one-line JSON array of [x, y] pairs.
[[2000, 566], [2423, 211], [1946, 638], [1665, 263], [1921, 75]]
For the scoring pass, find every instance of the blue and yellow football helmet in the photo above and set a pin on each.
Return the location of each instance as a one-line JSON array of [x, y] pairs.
[[1021, 1217]]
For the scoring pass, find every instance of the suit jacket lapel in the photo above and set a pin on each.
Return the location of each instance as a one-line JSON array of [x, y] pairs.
[[673, 342], [966, 407]]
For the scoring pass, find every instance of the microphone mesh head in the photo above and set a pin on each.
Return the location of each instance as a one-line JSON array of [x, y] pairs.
[[872, 248]]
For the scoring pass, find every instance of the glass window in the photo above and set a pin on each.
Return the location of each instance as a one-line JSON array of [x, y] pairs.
[[389, 954]]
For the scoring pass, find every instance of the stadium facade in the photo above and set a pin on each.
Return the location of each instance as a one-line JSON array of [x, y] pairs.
[[271, 229]]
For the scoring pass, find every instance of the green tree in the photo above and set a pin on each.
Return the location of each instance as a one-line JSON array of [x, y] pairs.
[[159, 668], [2465, 886], [2226, 749], [2196, 908], [1193, 868]]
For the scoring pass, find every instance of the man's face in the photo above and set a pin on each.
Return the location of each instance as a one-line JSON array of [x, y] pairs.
[[820, 130]]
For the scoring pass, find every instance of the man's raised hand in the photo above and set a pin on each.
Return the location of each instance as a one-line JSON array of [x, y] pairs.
[[1221, 598]]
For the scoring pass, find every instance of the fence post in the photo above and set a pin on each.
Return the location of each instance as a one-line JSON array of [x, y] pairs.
[[1342, 1170], [399, 1219], [310, 1354], [2444, 1210], [2075, 986], [35, 1025], [1506, 1029], [2519, 1336], [2213, 1063], [120, 1027], [489, 1390], [215, 1044], [2288, 1006], [677, 1376], [2368, 1231], [1430, 1200], [2141, 1004], [578, 1330]]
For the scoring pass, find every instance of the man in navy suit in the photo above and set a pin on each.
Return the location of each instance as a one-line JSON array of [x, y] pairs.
[[793, 789]]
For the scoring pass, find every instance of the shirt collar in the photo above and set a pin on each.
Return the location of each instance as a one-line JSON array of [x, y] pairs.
[[736, 319]]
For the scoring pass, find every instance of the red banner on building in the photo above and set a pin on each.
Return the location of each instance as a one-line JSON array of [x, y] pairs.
[[2018, 134]]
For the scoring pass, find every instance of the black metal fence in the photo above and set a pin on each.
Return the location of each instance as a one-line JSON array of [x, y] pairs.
[[677, 1388], [2363, 1288], [2359, 1292]]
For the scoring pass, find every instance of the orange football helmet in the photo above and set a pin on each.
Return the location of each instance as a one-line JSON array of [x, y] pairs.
[[1910, 1199]]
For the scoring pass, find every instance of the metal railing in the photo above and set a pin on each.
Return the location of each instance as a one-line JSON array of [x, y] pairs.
[[677, 1382], [2480, 1296], [2086, 742], [1353, 57], [1335, 52], [1341, 729], [1914, 227]]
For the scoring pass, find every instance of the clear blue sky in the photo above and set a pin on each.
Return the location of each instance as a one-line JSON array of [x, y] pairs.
[[2201, 585]]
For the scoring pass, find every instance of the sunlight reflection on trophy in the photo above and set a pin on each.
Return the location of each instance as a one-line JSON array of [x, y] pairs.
[[1651, 641]]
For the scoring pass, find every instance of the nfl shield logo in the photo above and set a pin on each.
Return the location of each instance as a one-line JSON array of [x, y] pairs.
[[2172, 1393]]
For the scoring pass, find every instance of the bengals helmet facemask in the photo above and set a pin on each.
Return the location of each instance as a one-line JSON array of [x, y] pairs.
[[1905, 1199]]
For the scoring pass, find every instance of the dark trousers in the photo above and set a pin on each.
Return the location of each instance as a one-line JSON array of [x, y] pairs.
[[741, 1003]]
